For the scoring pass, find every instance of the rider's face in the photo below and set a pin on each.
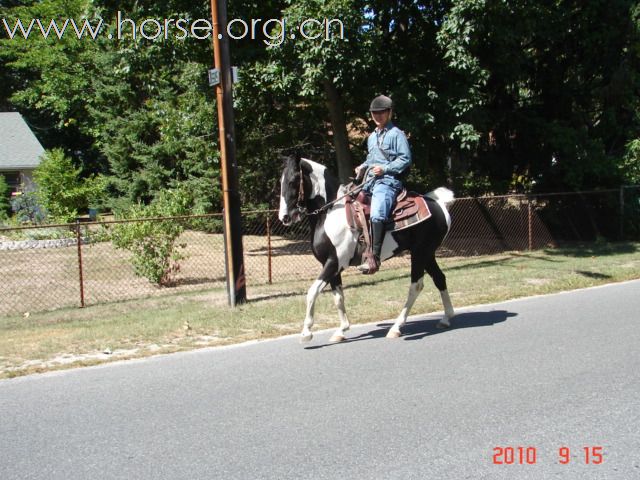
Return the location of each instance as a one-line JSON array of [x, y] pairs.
[[381, 118]]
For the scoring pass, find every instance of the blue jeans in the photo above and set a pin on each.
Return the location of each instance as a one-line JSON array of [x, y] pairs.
[[383, 197]]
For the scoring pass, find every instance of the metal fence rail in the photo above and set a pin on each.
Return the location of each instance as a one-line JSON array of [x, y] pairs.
[[51, 267]]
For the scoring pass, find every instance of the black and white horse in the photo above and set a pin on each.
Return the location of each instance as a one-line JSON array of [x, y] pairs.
[[308, 187]]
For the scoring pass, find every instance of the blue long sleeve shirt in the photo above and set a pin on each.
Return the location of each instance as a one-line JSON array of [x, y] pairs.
[[394, 143]]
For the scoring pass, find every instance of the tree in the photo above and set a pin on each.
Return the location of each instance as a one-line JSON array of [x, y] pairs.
[[550, 89], [60, 190], [51, 89], [137, 110], [316, 71], [494, 96]]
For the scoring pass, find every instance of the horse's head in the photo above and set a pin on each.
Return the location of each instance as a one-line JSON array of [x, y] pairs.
[[305, 184], [291, 191]]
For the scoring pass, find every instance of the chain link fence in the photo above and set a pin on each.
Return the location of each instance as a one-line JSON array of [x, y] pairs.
[[58, 266]]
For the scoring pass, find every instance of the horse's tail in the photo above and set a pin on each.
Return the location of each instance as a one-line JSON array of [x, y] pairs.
[[441, 195]]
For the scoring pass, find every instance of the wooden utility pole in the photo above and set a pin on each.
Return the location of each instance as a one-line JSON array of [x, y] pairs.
[[234, 259]]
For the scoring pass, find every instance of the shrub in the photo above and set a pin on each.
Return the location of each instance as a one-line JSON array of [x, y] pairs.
[[153, 243], [27, 208], [61, 191]]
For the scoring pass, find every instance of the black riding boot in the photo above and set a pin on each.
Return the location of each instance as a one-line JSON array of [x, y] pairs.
[[371, 265]]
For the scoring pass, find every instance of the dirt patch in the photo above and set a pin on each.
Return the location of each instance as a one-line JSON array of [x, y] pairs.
[[69, 360]]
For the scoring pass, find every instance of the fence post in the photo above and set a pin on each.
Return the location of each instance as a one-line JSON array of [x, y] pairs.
[[79, 242], [269, 245], [530, 223], [621, 212]]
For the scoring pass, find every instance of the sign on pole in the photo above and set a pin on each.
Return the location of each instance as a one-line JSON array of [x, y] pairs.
[[214, 77]]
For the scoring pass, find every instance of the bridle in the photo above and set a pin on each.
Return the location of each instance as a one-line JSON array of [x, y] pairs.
[[300, 203], [302, 207]]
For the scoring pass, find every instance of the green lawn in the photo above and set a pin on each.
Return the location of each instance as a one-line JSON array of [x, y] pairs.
[[74, 337]]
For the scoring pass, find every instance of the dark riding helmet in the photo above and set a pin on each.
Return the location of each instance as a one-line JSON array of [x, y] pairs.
[[380, 104]]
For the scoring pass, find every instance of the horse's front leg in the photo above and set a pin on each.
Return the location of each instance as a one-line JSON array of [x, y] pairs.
[[338, 298], [330, 272], [315, 290]]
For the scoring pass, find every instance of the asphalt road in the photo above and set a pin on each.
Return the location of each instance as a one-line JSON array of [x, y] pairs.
[[540, 373]]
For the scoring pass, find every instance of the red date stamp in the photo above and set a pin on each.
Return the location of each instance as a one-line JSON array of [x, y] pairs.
[[520, 455]]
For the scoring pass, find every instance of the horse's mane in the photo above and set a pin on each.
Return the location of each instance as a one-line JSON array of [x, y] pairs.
[[331, 183]]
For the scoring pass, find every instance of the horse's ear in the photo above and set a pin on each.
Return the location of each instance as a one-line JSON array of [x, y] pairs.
[[288, 159], [293, 153], [297, 152]]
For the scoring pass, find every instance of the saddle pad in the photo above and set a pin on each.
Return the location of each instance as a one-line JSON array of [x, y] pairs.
[[409, 211]]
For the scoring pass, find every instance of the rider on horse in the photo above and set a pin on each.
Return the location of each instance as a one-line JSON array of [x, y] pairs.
[[389, 156]]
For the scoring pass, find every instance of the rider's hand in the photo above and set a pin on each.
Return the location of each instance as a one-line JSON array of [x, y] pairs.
[[377, 170]]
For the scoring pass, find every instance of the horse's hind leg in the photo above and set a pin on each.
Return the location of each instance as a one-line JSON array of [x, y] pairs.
[[417, 284], [414, 291], [338, 298], [440, 281]]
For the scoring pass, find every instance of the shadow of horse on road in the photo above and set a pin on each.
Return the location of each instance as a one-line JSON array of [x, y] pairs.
[[419, 329]]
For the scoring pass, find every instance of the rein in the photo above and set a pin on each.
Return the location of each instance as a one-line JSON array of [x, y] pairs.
[[326, 206]]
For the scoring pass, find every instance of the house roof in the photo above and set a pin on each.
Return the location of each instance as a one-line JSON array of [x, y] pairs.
[[19, 147]]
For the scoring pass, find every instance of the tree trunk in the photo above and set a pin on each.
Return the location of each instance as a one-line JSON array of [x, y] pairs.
[[339, 127]]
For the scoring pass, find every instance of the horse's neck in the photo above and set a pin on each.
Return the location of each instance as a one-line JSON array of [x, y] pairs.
[[324, 186]]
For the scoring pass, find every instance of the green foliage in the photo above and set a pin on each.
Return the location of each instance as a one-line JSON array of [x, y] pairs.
[[153, 243], [61, 190], [159, 135], [630, 166], [548, 87], [5, 206], [327, 57], [27, 209], [138, 111], [513, 95], [58, 81], [50, 79]]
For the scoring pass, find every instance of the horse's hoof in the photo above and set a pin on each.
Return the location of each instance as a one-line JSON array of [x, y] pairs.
[[336, 339], [306, 338], [393, 334], [442, 325]]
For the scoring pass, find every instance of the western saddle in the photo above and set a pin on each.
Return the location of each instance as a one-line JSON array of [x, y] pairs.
[[410, 208]]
